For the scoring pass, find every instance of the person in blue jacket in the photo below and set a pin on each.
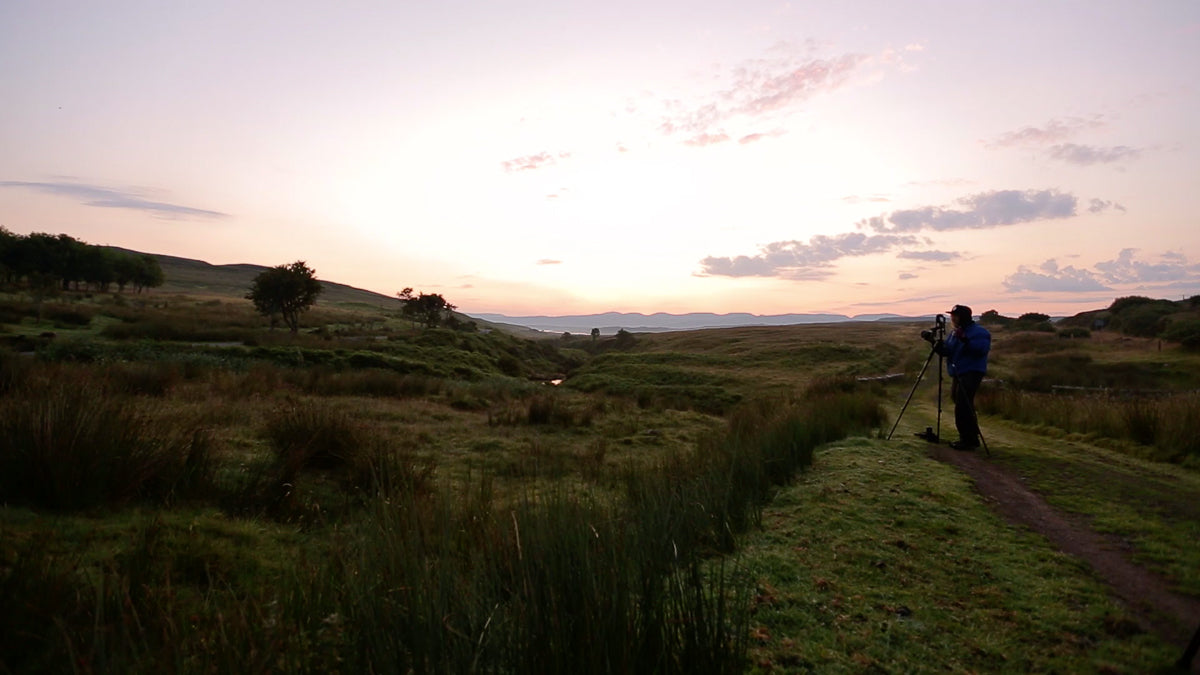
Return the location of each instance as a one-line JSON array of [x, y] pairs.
[[966, 350]]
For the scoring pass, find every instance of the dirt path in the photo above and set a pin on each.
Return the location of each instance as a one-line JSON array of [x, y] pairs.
[[1156, 607]]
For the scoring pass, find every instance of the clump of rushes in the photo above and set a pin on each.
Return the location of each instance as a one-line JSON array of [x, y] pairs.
[[67, 442], [312, 437], [1164, 426]]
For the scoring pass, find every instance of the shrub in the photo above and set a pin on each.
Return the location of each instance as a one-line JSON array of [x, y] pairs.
[[174, 328], [994, 318], [1121, 304], [65, 316], [74, 351], [1075, 332], [1144, 320], [14, 312], [1186, 332]]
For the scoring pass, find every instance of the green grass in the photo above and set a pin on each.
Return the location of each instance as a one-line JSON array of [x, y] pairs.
[[336, 467], [421, 502], [1151, 505], [882, 560]]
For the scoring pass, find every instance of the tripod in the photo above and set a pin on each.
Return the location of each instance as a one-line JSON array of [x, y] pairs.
[[929, 434]]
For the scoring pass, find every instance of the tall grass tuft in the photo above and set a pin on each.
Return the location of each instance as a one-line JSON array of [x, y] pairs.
[[313, 436], [1167, 426], [698, 501], [369, 382], [553, 584], [14, 371], [152, 378], [67, 443]]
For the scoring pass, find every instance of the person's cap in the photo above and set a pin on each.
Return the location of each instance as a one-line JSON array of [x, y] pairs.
[[960, 310]]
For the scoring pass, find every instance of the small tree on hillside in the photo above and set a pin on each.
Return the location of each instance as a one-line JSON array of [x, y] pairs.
[[286, 290], [428, 309], [148, 273], [9, 244]]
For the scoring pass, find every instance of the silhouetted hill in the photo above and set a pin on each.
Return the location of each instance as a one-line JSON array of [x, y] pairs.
[[196, 277]]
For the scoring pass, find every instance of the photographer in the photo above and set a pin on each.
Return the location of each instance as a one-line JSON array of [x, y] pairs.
[[966, 350]]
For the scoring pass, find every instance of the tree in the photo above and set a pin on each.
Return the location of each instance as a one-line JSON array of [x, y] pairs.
[[286, 290], [595, 334], [9, 249], [427, 309], [126, 267], [149, 274], [96, 267]]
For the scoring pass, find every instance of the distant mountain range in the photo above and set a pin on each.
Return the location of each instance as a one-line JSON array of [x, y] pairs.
[[611, 322]]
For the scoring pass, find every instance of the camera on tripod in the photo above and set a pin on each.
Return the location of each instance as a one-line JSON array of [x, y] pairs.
[[937, 333]]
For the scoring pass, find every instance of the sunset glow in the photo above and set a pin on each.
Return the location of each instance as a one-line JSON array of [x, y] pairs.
[[571, 158]]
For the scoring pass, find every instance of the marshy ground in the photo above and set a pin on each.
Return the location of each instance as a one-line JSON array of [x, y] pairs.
[[722, 500]]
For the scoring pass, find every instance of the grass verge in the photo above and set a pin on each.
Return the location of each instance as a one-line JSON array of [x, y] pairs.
[[881, 560]]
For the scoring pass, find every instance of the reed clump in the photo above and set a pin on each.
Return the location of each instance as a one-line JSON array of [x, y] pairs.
[[1165, 425], [69, 442]]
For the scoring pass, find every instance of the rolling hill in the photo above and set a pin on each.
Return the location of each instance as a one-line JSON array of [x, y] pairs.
[[196, 277]]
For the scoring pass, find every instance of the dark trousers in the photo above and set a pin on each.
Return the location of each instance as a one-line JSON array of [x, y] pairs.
[[962, 392]]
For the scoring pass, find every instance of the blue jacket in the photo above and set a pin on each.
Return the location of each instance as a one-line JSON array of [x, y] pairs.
[[969, 353]]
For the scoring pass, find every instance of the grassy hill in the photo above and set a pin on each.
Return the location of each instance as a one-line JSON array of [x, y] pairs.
[[202, 279]]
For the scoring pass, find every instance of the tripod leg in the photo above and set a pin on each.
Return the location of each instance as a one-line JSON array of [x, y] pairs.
[[1185, 661], [982, 440], [979, 430], [941, 372], [914, 390]]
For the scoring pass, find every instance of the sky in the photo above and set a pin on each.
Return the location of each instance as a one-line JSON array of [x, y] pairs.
[[537, 157]]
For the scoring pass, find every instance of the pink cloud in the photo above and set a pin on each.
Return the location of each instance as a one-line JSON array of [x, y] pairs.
[[702, 140], [750, 138], [531, 162], [1054, 131], [762, 87]]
